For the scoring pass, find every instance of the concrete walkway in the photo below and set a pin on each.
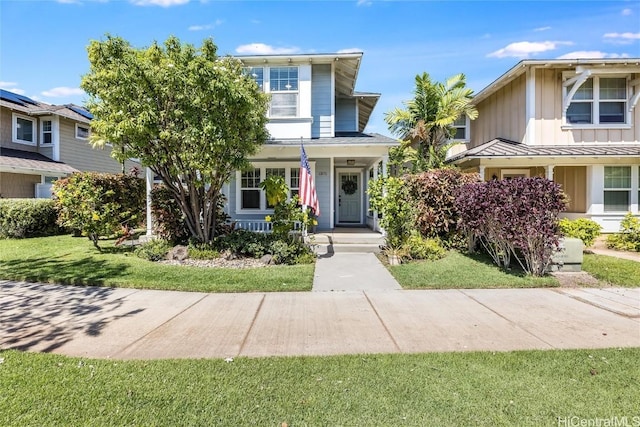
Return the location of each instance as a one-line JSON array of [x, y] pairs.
[[136, 324], [352, 272]]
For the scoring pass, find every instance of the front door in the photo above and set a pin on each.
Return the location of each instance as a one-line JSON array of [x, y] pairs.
[[349, 197]]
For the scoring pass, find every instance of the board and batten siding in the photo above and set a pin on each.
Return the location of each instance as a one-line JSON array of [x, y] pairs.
[[18, 185], [79, 153], [549, 116], [321, 99], [501, 115], [346, 117]]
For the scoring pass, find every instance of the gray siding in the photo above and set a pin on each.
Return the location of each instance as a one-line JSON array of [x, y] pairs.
[[323, 188], [17, 185], [79, 153], [346, 120], [6, 131], [321, 101]]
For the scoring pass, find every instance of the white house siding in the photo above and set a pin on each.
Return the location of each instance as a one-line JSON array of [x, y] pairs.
[[323, 188], [346, 117], [321, 99]]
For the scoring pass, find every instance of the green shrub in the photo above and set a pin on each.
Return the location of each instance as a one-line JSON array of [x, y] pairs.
[[100, 204], [628, 239], [168, 219], [203, 251], [153, 250], [20, 218], [251, 244], [584, 229], [417, 247]]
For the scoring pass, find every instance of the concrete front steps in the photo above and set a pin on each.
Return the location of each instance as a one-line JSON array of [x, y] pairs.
[[360, 240]]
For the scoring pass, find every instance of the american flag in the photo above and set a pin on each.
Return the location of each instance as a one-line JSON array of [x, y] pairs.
[[308, 195]]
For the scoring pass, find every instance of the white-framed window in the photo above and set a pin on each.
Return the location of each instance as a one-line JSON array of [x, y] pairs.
[[23, 129], [46, 132], [617, 188], [514, 173], [283, 85], [82, 131], [599, 101], [256, 73], [251, 198], [461, 126]]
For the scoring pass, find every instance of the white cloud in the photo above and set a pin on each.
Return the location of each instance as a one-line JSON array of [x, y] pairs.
[[161, 3], [265, 49], [62, 91], [591, 54], [206, 26], [541, 29], [256, 21], [350, 50], [364, 2], [627, 12], [525, 49], [12, 87], [622, 38], [69, 1]]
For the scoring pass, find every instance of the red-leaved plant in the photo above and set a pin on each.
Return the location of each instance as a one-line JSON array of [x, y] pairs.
[[514, 217]]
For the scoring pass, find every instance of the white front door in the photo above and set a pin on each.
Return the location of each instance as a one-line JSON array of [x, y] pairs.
[[350, 197]]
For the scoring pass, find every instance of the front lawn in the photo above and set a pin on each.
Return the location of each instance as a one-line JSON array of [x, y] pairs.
[[458, 271], [612, 270], [73, 260], [482, 388]]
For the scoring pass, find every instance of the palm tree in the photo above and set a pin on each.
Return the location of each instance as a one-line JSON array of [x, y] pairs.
[[425, 125]]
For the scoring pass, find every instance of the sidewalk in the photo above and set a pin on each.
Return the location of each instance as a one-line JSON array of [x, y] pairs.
[[138, 324]]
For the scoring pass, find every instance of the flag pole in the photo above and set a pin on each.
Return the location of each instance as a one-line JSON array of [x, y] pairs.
[[304, 206]]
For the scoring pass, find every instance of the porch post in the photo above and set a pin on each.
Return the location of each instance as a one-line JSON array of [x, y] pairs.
[[332, 193], [481, 171], [549, 172], [149, 180]]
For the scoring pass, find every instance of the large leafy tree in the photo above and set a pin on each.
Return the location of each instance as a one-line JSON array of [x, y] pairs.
[[185, 112], [425, 124]]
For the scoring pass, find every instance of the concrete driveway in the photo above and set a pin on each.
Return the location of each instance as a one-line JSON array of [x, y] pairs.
[[138, 324]]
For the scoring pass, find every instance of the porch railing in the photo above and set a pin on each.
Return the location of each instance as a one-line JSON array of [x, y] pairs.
[[259, 225]]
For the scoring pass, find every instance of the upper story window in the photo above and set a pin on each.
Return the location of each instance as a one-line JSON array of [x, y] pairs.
[[257, 74], [283, 84], [23, 130], [461, 126], [599, 101], [47, 132], [82, 132]]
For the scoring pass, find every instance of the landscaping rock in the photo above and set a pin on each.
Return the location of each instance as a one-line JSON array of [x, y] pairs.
[[267, 259], [178, 253]]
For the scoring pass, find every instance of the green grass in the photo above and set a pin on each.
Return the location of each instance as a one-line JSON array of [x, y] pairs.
[[516, 388], [615, 271], [73, 260], [458, 271]]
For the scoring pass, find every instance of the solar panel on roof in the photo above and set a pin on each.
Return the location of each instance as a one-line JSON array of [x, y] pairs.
[[81, 111], [15, 98]]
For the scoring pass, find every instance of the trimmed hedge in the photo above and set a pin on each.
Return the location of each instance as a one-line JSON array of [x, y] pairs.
[[21, 218], [584, 229]]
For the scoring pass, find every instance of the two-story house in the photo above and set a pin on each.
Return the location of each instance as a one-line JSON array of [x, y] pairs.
[[313, 102], [574, 121], [40, 143]]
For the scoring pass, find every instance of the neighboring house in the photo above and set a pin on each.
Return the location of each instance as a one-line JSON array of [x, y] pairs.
[[40, 143], [314, 102], [574, 121]]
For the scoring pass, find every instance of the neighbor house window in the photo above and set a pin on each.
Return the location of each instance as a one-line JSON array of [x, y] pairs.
[[599, 101], [256, 73], [47, 132], [252, 197], [460, 126], [617, 188], [82, 132], [24, 130], [284, 91], [250, 189]]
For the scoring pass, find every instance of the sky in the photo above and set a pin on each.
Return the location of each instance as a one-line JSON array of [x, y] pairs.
[[43, 43]]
